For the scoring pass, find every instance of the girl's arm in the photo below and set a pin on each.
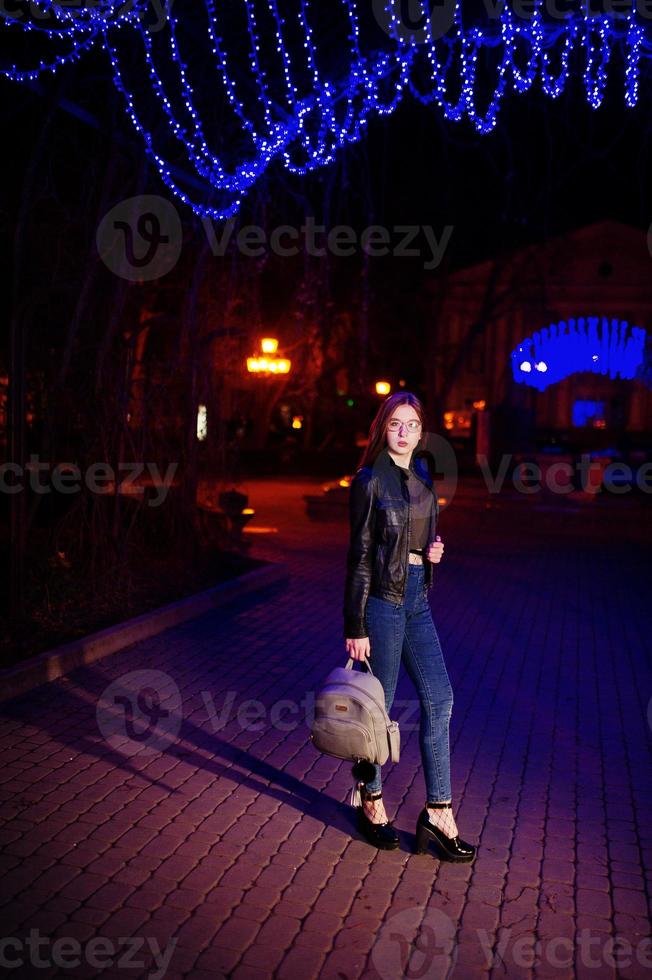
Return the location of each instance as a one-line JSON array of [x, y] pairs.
[[360, 557]]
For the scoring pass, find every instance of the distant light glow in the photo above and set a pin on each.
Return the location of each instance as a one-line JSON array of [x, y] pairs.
[[383, 387], [202, 423], [268, 365]]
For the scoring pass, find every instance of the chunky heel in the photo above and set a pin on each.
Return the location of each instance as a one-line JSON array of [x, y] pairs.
[[423, 840], [381, 835], [448, 848]]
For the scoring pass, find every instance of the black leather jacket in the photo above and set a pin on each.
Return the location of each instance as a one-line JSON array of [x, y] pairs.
[[377, 560]]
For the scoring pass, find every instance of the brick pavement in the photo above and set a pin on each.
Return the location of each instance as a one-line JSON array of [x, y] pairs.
[[232, 844]]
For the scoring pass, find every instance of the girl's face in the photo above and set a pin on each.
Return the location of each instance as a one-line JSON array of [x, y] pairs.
[[402, 433]]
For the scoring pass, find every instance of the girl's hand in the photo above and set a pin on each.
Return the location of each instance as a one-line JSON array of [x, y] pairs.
[[358, 648], [435, 551]]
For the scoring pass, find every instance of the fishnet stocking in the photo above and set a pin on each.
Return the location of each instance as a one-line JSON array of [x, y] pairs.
[[443, 819], [374, 810]]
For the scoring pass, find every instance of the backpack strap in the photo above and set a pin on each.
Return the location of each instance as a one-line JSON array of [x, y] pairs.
[[351, 661]]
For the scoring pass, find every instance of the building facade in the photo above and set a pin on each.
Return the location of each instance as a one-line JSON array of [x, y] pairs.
[[483, 313]]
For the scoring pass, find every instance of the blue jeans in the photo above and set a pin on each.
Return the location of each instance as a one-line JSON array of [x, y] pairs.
[[405, 632]]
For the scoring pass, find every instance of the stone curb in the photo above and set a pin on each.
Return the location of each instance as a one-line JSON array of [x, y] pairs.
[[55, 663]]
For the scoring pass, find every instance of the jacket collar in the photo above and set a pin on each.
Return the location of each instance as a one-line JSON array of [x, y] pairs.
[[417, 465]]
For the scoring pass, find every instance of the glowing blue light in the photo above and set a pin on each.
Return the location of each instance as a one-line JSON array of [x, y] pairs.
[[567, 347], [584, 411], [283, 105]]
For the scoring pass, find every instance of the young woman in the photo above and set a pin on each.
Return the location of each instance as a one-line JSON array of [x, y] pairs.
[[387, 617]]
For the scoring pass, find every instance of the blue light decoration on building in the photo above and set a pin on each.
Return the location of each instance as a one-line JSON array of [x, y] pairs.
[[264, 87], [598, 344]]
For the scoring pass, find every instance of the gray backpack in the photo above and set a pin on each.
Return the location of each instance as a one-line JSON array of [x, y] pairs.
[[350, 720]]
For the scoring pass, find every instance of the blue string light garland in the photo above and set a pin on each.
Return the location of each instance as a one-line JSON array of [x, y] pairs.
[[281, 104]]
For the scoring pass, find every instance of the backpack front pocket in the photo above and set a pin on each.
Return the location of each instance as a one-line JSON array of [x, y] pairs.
[[343, 739]]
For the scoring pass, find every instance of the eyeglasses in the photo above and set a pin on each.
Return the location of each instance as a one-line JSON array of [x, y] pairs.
[[411, 426]]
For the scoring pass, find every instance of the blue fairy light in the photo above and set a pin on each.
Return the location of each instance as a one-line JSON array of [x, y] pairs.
[[315, 116]]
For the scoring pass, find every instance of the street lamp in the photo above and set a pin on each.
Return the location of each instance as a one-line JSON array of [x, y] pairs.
[[266, 364]]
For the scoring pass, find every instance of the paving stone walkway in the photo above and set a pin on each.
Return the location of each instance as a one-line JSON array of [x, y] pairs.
[[164, 813]]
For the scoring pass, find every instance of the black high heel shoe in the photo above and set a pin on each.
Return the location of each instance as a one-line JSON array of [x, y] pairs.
[[381, 835], [448, 848]]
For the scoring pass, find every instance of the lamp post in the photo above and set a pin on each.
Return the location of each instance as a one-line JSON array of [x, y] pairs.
[[267, 364]]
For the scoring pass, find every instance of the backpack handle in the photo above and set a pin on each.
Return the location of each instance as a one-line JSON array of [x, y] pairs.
[[351, 661]]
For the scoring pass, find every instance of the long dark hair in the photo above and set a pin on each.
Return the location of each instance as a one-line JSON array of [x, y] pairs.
[[378, 427]]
